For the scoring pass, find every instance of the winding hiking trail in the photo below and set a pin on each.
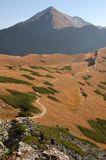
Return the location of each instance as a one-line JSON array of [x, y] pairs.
[[43, 108]]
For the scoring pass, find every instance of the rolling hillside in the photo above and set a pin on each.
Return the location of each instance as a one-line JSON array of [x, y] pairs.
[[68, 90]]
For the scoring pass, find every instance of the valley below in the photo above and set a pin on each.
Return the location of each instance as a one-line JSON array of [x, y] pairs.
[[57, 90]]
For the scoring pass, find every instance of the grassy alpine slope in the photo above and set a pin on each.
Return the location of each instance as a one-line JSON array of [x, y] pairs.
[[71, 91]]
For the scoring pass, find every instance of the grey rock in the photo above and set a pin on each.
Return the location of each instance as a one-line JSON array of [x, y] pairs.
[[26, 152], [52, 151], [55, 154]]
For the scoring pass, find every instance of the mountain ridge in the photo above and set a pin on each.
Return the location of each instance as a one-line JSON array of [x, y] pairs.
[[60, 19], [51, 31]]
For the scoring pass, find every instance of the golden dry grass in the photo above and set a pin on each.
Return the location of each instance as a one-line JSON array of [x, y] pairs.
[[73, 108]]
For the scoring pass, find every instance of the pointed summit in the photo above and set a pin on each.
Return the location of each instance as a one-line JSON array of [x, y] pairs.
[[57, 19], [48, 11], [51, 8], [51, 31]]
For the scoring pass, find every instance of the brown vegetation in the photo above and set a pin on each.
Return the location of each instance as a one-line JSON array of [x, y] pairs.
[[73, 109]]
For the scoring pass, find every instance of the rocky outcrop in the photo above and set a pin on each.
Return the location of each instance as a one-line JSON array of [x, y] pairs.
[[25, 151], [22, 140], [4, 128]]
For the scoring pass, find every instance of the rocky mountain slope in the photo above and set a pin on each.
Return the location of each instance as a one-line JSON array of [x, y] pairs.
[[25, 140], [57, 19], [51, 31]]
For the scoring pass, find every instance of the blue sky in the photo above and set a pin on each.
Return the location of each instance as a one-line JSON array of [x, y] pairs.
[[14, 11]]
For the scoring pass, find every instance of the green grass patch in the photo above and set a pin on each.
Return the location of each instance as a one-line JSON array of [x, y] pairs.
[[98, 131], [53, 68], [35, 67], [53, 90], [102, 87], [20, 129], [58, 72], [53, 98], [86, 77], [104, 97], [36, 74], [30, 140], [35, 94], [25, 114], [10, 67], [66, 68], [102, 71], [48, 83], [21, 100], [87, 142], [28, 77], [32, 72], [49, 76], [84, 94], [13, 67], [25, 69], [42, 90], [4, 79], [81, 83], [89, 84], [100, 93], [42, 61], [39, 67], [104, 83]]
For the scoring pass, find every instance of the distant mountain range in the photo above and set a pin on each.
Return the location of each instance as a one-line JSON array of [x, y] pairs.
[[51, 31]]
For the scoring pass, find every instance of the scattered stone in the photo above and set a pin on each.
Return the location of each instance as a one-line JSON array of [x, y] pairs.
[[55, 154], [31, 151], [26, 152]]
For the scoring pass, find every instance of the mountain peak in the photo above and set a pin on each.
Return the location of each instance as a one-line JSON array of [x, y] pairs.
[[47, 11], [58, 19], [51, 31], [51, 8]]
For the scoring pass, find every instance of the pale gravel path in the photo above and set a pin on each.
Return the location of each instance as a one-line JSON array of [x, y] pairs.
[[43, 108]]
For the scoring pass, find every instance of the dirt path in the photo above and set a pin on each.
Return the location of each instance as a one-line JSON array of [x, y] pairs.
[[43, 108]]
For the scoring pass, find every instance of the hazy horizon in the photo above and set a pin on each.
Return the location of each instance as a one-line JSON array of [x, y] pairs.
[[15, 12]]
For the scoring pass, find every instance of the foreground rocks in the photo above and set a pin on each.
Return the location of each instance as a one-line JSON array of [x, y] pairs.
[[25, 151], [23, 140]]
